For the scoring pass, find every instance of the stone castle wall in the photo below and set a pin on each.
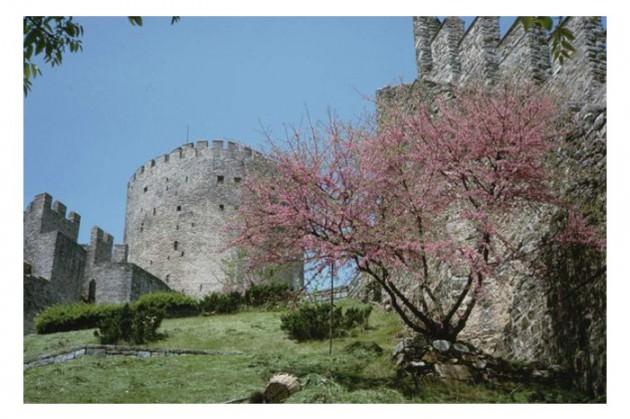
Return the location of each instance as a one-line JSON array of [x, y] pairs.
[[177, 208], [109, 278], [50, 246], [527, 317], [57, 269], [447, 54]]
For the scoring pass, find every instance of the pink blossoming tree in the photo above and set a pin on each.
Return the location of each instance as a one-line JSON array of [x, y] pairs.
[[427, 194]]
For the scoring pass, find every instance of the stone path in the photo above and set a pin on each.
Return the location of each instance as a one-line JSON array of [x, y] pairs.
[[114, 350]]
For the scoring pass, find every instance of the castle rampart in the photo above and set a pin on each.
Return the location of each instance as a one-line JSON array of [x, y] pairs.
[[60, 270], [177, 208], [531, 318], [447, 54], [109, 278], [50, 245]]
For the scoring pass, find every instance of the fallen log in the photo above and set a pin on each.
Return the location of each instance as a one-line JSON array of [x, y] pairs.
[[280, 387]]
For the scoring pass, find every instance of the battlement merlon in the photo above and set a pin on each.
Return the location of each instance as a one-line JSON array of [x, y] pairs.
[[424, 30], [100, 247], [445, 53], [220, 149], [47, 215]]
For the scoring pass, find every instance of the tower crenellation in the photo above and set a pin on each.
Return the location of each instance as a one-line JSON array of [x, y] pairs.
[[217, 150], [177, 209], [445, 53], [100, 247], [530, 318], [45, 215]]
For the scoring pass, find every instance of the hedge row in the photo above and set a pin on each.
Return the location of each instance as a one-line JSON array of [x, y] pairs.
[[65, 317], [173, 304]]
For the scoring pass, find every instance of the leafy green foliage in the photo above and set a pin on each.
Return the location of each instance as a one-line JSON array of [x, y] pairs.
[[65, 317], [268, 294], [48, 36], [312, 321], [221, 303], [115, 326], [357, 317], [173, 304], [145, 323], [561, 37], [131, 324], [135, 20]]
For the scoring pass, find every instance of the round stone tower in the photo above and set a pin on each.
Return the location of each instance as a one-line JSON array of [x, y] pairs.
[[177, 205]]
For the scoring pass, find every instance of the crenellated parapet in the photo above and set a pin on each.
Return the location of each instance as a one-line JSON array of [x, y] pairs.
[[178, 207], [447, 54], [218, 151], [45, 215], [100, 248], [531, 317]]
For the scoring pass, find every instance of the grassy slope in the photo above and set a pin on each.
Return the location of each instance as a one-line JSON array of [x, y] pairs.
[[342, 378]]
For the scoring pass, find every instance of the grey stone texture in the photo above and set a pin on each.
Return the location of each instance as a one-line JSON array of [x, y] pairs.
[[175, 234], [50, 246], [559, 318], [59, 270], [445, 53], [178, 206], [115, 350]]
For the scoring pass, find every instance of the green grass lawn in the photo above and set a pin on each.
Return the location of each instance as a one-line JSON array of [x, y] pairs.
[[340, 378]]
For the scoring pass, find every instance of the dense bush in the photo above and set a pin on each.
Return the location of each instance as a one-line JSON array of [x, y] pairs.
[[312, 321], [221, 303], [357, 317], [267, 294], [173, 304], [131, 324], [64, 317]]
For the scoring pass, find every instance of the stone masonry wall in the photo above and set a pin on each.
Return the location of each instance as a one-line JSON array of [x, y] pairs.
[[559, 318], [123, 282], [38, 294], [50, 246], [478, 55], [113, 279], [177, 208], [43, 219], [59, 270]]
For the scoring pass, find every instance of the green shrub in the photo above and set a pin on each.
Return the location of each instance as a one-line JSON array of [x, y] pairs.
[[312, 321], [357, 317], [145, 323], [115, 326], [173, 304], [267, 294], [131, 324], [65, 317], [221, 303]]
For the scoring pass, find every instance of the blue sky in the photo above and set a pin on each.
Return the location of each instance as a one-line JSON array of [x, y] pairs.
[[132, 93]]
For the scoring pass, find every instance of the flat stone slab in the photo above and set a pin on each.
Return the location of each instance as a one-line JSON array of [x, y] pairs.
[[115, 350]]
